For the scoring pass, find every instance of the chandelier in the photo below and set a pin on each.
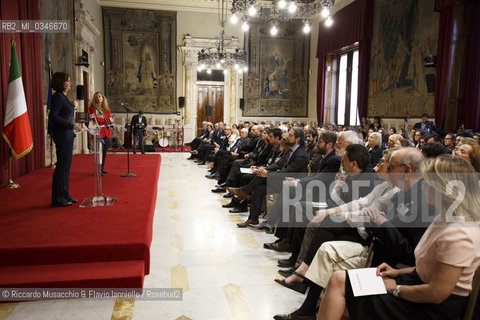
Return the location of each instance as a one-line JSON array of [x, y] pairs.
[[281, 10], [219, 57]]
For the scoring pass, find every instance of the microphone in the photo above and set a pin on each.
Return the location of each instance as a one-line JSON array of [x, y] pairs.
[[126, 107]]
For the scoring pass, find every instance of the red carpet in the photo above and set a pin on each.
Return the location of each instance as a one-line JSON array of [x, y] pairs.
[[73, 245], [150, 148]]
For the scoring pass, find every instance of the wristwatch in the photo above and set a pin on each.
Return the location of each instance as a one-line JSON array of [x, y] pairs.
[[396, 291]]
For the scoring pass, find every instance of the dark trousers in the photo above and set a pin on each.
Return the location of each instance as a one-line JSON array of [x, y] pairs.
[[106, 144], [138, 135], [234, 176], [61, 176]]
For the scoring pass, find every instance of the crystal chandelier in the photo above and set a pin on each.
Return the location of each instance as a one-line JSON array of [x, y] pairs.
[[281, 10], [220, 58]]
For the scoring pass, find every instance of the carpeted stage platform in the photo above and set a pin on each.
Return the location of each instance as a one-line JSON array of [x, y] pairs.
[[42, 246]]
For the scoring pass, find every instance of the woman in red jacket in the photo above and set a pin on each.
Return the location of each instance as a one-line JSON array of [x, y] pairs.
[[101, 111]]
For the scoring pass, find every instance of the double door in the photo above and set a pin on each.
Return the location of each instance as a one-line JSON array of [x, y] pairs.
[[209, 105]]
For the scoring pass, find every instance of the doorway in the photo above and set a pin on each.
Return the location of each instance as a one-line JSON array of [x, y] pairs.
[[209, 105]]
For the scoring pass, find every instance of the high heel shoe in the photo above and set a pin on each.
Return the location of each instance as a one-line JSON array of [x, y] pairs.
[[65, 204]]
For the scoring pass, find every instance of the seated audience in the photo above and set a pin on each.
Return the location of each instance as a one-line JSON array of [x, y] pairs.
[[375, 148], [447, 257]]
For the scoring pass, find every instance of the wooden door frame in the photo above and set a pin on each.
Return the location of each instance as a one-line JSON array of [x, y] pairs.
[[211, 84]]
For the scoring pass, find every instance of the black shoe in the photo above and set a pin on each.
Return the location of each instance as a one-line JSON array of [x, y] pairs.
[[287, 273], [287, 263], [238, 210], [231, 204], [191, 158], [73, 200], [210, 176], [65, 204], [293, 316], [105, 172], [300, 287], [228, 195], [219, 190]]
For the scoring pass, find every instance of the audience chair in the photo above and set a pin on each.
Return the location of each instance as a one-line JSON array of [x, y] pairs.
[[472, 299]]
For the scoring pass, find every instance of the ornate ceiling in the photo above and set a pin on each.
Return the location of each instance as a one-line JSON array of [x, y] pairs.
[[181, 5]]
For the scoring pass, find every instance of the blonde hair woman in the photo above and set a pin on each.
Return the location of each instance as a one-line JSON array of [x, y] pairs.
[[447, 256], [101, 112], [375, 148]]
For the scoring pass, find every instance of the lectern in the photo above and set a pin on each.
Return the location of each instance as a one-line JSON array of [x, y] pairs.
[[99, 199]]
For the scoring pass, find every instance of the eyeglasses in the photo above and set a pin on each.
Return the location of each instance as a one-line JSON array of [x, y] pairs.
[[390, 166]]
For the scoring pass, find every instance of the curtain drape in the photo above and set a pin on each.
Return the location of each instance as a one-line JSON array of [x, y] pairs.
[[444, 58], [472, 82], [29, 55], [354, 23]]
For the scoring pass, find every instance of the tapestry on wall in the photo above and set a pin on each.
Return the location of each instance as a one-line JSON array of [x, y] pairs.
[[405, 32], [277, 80], [140, 59], [56, 47]]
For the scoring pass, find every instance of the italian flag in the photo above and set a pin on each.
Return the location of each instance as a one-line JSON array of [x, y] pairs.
[[16, 128]]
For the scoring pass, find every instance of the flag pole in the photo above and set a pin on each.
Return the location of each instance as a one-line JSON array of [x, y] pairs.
[[10, 184], [51, 165]]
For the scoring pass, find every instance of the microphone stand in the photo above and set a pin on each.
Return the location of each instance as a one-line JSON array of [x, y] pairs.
[[128, 174]]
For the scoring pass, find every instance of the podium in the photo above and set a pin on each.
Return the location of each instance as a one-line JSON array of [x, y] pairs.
[[99, 199]]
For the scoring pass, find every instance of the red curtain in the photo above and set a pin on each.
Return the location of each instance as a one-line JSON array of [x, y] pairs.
[[444, 57], [320, 91], [472, 82], [351, 24], [29, 55]]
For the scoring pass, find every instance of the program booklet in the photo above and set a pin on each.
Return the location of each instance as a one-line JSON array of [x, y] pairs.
[[365, 282]]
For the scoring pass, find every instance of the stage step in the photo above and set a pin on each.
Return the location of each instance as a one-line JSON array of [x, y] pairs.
[[112, 274]]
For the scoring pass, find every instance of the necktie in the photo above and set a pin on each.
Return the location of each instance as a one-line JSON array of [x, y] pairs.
[[289, 155]]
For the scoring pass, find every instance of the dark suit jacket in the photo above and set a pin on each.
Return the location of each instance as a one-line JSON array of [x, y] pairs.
[[328, 167], [136, 124], [396, 239], [61, 118], [248, 146], [298, 162], [430, 127]]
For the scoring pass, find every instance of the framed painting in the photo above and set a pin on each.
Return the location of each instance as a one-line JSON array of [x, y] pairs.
[[277, 80], [140, 59]]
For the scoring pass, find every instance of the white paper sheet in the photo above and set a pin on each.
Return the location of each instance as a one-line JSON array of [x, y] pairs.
[[365, 282], [320, 205], [245, 170]]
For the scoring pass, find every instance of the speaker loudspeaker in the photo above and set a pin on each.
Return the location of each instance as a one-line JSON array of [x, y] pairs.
[[80, 92], [242, 103], [181, 102]]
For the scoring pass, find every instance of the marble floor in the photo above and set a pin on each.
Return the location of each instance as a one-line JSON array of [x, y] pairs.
[[224, 271]]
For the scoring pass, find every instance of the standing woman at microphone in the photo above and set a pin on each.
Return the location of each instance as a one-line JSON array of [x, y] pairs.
[[63, 132], [100, 110]]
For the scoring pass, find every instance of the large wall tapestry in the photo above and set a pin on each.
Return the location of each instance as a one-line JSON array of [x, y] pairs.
[[277, 81], [56, 46], [140, 59], [405, 32]]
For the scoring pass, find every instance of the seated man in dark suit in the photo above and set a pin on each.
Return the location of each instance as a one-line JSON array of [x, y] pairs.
[[427, 127], [247, 146], [295, 160]]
